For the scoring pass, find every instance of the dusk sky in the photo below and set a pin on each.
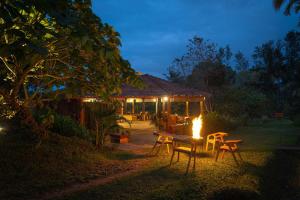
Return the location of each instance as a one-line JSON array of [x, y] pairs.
[[154, 32]]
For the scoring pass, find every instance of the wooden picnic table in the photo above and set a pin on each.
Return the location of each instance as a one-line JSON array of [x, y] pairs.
[[179, 137], [183, 138]]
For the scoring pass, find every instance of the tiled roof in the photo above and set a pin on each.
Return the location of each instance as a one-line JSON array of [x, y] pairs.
[[155, 86]]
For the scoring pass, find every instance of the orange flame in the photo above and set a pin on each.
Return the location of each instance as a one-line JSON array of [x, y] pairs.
[[197, 126]]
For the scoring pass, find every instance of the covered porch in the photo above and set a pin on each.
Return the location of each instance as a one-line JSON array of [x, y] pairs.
[[171, 105], [145, 106]]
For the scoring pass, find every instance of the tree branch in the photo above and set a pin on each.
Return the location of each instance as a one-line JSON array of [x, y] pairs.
[[6, 65], [50, 75]]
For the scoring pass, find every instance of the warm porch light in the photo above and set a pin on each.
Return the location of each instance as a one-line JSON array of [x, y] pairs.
[[197, 126], [165, 99], [130, 100], [89, 100]]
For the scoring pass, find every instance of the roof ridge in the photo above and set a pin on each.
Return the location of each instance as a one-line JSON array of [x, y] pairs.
[[157, 83], [157, 86]]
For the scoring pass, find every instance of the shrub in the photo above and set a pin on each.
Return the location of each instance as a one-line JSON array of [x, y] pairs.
[[60, 124], [214, 122], [66, 126], [241, 102]]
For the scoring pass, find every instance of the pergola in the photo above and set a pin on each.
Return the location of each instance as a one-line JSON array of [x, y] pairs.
[[158, 90]]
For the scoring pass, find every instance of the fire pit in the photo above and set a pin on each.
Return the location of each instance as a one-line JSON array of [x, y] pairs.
[[189, 146], [197, 126]]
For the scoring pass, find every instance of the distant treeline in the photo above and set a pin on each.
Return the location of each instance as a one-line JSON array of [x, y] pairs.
[[240, 89]]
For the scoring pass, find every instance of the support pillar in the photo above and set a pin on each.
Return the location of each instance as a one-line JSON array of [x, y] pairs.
[[163, 106], [122, 107], [143, 110], [156, 106], [82, 114], [169, 106], [201, 107], [125, 106], [132, 109], [187, 108]]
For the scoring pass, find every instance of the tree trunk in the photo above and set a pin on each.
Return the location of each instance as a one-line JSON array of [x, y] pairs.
[[102, 137], [24, 118], [97, 133]]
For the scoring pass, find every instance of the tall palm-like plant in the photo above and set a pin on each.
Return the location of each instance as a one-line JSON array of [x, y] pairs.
[[105, 123], [290, 5]]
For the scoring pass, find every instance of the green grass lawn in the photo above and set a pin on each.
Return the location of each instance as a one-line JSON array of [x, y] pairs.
[[27, 172], [265, 174], [267, 136]]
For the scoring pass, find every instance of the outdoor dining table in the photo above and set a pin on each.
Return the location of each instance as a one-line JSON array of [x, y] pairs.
[[183, 138]]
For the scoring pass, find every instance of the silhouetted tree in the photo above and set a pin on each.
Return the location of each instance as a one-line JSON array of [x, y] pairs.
[[198, 50], [224, 55], [210, 77], [278, 67], [269, 62], [241, 63], [291, 80], [207, 67], [290, 5]]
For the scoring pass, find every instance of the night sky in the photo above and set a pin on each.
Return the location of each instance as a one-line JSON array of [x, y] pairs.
[[154, 32]]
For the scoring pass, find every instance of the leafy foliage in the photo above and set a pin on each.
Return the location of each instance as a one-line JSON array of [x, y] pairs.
[[61, 124], [290, 5], [66, 126], [204, 66], [104, 122], [242, 63], [57, 47], [215, 122], [198, 51], [239, 90], [278, 69], [243, 103], [210, 76]]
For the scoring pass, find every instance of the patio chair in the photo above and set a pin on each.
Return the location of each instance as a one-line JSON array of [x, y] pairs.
[[214, 139], [161, 140], [189, 148], [230, 146]]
